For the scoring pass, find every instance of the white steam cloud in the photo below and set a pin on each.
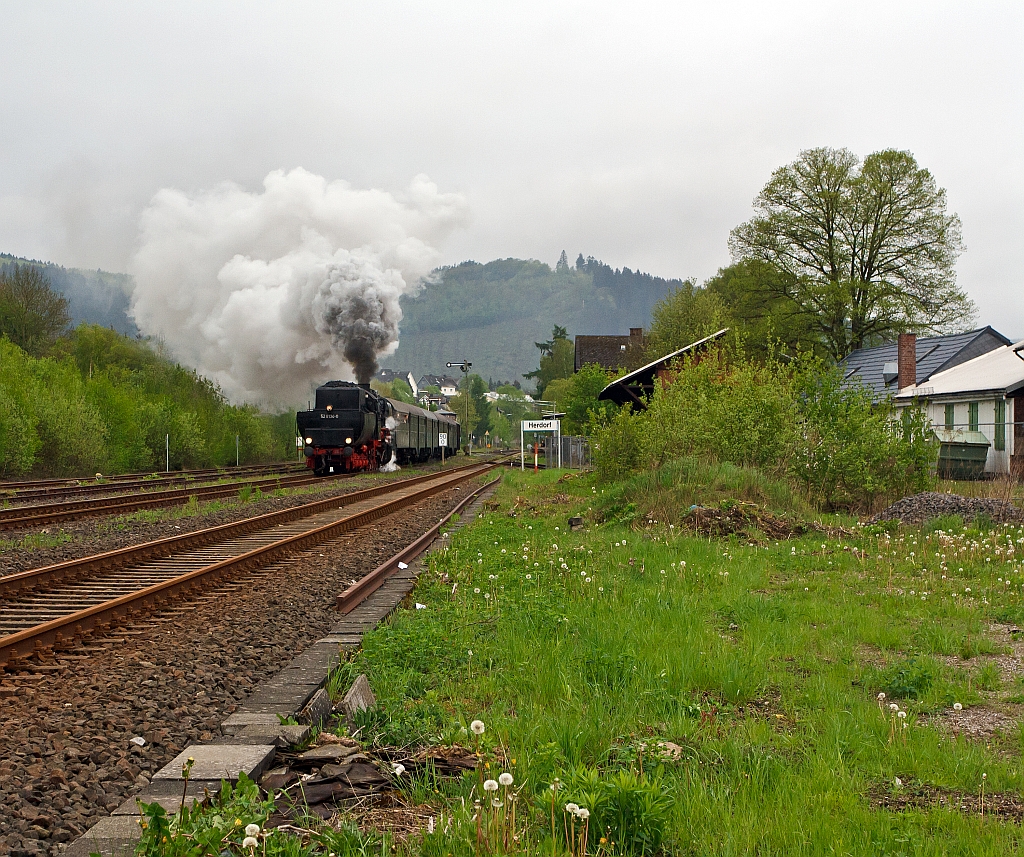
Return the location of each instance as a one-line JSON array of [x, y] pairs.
[[266, 292]]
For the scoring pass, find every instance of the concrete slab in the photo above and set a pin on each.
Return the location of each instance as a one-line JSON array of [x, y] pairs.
[[274, 694], [299, 676], [320, 707], [114, 836], [293, 734], [359, 698], [265, 707], [320, 659], [242, 719], [344, 641], [279, 736], [167, 793], [220, 761]]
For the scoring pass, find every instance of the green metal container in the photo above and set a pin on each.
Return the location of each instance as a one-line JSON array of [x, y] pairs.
[[962, 454]]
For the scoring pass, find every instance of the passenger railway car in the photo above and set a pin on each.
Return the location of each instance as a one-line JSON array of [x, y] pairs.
[[353, 428]]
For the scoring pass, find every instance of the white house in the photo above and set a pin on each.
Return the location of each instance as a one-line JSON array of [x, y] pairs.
[[985, 394]]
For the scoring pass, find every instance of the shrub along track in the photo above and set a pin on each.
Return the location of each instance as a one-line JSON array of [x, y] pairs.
[[66, 723], [55, 605]]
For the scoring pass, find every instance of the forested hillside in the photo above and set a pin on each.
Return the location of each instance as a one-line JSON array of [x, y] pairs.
[[96, 297], [101, 401], [492, 314]]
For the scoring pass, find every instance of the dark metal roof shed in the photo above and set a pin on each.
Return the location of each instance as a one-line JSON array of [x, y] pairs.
[[635, 387]]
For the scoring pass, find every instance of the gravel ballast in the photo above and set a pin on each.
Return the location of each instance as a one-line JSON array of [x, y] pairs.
[[66, 729], [94, 535], [930, 504]]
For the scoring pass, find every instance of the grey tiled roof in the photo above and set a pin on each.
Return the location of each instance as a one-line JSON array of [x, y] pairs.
[[934, 354]]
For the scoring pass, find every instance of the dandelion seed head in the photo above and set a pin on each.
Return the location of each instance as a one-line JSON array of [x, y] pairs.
[[505, 779], [477, 727], [250, 842], [490, 785], [252, 830]]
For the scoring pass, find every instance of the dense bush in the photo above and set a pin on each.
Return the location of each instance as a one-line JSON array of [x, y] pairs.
[[101, 401], [795, 420]]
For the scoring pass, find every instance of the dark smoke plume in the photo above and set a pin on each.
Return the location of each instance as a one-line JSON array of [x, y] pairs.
[[358, 307]]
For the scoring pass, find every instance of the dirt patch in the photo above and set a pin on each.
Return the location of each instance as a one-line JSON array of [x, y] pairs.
[[533, 506], [1005, 805], [400, 820], [978, 721]]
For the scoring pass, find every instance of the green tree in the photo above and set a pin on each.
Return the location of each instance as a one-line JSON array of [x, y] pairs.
[[32, 315], [478, 392], [398, 389], [683, 316], [768, 320], [467, 418], [865, 250], [557, 359], [583, 412]]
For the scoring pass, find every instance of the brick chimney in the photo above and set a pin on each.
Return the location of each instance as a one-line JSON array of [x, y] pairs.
[[906, 357], [636, 337]]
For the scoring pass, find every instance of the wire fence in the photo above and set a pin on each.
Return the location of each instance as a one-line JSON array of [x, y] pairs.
[[575, 452]]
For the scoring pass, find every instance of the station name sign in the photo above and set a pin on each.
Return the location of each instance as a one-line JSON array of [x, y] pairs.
[[540, 425]]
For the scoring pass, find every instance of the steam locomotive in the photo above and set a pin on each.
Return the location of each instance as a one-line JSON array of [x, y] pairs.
[[353, 428]]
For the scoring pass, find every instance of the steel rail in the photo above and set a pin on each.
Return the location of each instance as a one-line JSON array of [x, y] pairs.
[[22, 517], [114, 484], [73, 568], [62, 631], [363, 588]]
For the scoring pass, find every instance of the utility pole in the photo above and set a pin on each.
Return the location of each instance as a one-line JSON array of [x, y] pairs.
[[465, 366]]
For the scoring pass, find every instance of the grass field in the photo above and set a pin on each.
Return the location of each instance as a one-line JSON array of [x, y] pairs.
[[851, 691], [585, 652]]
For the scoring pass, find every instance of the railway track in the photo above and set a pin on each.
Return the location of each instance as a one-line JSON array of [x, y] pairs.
[[25, 517], [52, 607], [43, 489]]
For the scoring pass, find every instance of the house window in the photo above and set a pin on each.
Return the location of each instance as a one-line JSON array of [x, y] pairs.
[[972, 416], [950, 412], [1000, 438]]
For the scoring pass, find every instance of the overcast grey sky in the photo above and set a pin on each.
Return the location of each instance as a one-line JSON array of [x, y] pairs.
[[635, 132]]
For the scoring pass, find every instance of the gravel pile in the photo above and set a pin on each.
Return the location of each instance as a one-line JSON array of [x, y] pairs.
[[66, 728], [930, 504]]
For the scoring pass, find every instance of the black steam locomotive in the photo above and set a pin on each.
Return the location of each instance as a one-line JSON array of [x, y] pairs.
[[353, 428]]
